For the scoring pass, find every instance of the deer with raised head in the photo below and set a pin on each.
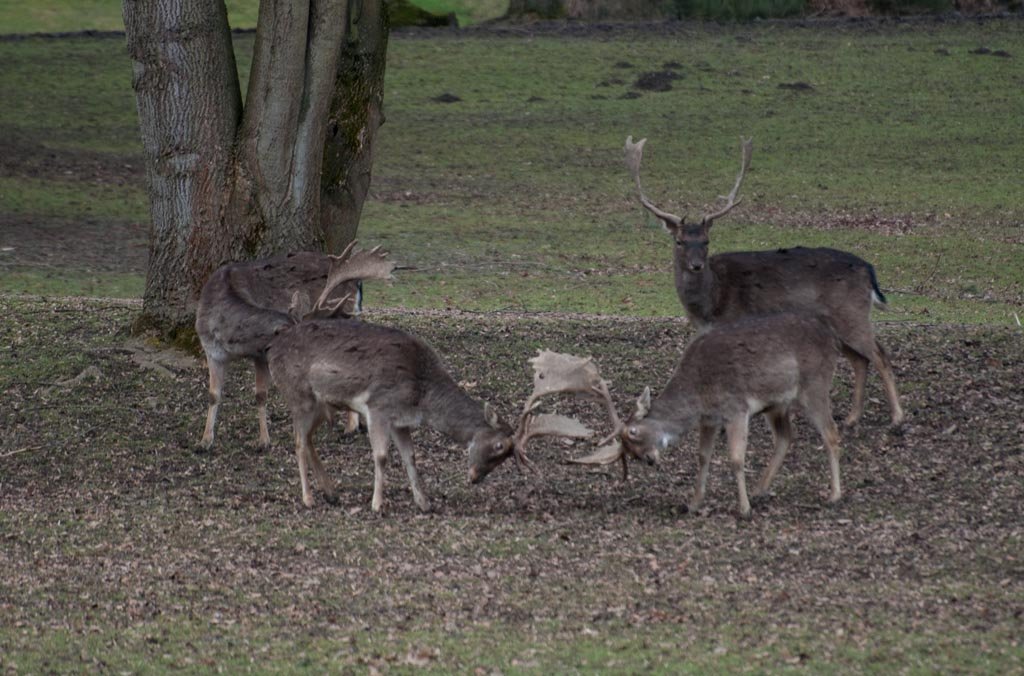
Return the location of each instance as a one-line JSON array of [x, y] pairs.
[[243, 306], [770, 364], [728, 286], [396, 382]]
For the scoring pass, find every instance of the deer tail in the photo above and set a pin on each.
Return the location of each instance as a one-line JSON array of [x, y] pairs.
[[877, 297]]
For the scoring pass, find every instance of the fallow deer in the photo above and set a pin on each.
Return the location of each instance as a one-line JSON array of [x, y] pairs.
[[242, 306], [397, 383], [768, 364], [728, 286]]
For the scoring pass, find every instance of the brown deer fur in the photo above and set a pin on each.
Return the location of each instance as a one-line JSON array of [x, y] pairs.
[[395, 381], [728, 286], [770, 364], [242, 307]]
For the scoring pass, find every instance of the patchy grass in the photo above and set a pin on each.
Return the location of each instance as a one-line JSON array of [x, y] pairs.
[[515, 196], [50, 16], [123, 550]]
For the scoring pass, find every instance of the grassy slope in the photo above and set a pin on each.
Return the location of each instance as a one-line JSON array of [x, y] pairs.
[[516, 197]]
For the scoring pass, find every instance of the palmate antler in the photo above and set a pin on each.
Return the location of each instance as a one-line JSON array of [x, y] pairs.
[[557, 373], [348, 266]]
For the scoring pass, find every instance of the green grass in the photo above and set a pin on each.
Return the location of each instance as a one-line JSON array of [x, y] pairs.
[[516, 196], [50, 16]]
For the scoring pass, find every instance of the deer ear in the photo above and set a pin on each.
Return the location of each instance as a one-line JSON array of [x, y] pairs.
[[671, 225], [492, 417], [299, 306], [643, 404]]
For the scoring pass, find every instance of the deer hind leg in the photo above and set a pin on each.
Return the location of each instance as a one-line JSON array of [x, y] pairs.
[[380, 439], [820, 413], [403, 439], [351, 422], [782, 433], [736, 432], [218, 372], [704, 448], [880, 359], [305, 424], [860, 379], [262, 387]]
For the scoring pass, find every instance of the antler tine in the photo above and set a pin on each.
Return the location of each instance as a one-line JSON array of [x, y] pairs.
[[746, 150], [332, 307], [351, 264], [635, 153]]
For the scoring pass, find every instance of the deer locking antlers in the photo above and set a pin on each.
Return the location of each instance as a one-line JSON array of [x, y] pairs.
[[557, 373]]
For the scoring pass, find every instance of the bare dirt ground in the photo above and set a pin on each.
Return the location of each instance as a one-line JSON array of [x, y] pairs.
[[111, 526]]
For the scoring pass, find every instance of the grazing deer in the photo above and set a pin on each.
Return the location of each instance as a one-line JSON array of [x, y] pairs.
[[767, 364], [397, 383], [242, 307], [727, 286]]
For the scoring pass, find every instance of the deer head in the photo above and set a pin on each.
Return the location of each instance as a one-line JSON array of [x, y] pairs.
[[634, 437], [691, 238], [553, 373]]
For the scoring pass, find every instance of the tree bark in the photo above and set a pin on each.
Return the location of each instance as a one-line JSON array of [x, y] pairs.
[[189, 104], [287, 172], [356, 112]]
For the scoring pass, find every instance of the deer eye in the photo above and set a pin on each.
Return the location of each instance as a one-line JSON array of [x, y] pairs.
[[634, 433]]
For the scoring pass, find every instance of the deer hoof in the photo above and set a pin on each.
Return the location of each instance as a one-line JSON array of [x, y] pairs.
[[202, 448]]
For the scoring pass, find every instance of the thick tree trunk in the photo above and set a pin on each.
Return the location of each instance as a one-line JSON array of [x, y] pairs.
[[189, 105], [289, 173], [355, 115]]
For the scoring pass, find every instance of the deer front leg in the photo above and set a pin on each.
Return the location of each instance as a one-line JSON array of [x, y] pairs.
[[704, 448], [736, 435], [403, 439], [881, 361], [262, 386], [860, 379], [782, 432], [380, 438], [218, 371]]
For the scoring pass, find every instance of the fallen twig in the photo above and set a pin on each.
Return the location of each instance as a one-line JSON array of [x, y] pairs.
[[20, 450]]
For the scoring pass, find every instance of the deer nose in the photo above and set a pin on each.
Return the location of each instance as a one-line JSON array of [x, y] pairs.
[[474, 475], [696, 267], [651, 460]]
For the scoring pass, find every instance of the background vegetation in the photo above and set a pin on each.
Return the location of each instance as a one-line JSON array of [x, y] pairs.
[[500, 175]]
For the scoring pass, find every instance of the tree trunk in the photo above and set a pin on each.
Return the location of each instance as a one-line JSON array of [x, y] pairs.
[[288, 172], [189, 105], [356, 114]]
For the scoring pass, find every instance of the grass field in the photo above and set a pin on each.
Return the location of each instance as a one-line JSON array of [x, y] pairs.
[[903, 150], [122, 550]]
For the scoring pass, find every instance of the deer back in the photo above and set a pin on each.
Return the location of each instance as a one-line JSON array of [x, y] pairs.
[[345, 363], [755, 362], [243, 305], [834, 283]]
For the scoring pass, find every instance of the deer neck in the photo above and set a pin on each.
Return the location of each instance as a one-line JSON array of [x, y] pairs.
[[675, 412], [451, 411], [696, 290]]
